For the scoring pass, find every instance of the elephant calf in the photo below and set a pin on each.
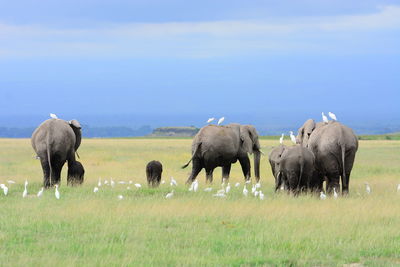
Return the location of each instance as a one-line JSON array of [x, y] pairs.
[[153, 173]]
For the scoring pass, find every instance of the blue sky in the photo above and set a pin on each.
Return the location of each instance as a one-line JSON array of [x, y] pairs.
[[287, 60]]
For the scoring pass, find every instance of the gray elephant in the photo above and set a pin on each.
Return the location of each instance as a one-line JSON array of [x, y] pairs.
[[274, 158], [334, 146], [153, 173], [56, 141], [220, 146], [296, 170]]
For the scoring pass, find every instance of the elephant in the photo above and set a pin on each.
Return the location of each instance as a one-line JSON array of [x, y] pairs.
[[296, 170], [274, 158], [56, 141], [334, 146], [153, 173], [220, 146]]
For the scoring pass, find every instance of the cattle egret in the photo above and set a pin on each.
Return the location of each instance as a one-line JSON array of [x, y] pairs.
[[219, 195], [253, 189], [99, 183], [398, 188], [221, 120], [324, 118], [120, 197], [256, 193], [258, 185], [53, 116], [335, 194], [95, 189], [332, 116], [191, 186], [367, 188], [228, 188], [223, 182], [138, 185], [173, 182], [25, 193], [11, 182], [281, 139], [245, 191], [322, 195], [208, 189], [5, 189], [292, 137], [196, 186], [57, 193], [210, 120], [131, 182], [40, 193], [112, 183], [261, 196], [237, 184], [128, 187], [282, 187], [170, 194], [163, 182]]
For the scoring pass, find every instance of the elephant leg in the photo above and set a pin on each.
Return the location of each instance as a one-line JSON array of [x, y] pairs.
[[46, 172], [196, 168], [245, 163], [348, 167], [56, 168], [332, 182], [226, 170], [209, 175]]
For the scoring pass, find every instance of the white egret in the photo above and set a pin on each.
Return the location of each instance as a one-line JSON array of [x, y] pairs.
[[367, 188], [53, 116], [324, 118], [120, 197], [258, 185], [191, 187], [11, 182], [208, 189], [245, 191], [130, 182], [138, 185], [335, 194], [256, 193], [40, 193], [253, 189], [112, 183], [221, 120], [332, 116], [57, 193], [95, 189], [281, 139], [219, 195], [292, 137], [322, 195], [170, 194], [228, 188], [261, 195], [237, 184], [25, 193], [223, 182], [173, 182], [196, 185], [5, 189], [210, 120], [99, 183], [282, 187]]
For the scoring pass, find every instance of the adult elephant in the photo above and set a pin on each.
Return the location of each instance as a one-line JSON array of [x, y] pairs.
[[56, 141], [334, 146], [220, 146]]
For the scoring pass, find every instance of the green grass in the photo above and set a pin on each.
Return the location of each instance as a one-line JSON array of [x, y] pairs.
[[193, 229]]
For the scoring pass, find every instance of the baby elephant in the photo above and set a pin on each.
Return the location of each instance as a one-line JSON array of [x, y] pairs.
[[153, 173]]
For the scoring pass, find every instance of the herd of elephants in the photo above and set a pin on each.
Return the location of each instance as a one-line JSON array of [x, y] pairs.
[[324, 151]]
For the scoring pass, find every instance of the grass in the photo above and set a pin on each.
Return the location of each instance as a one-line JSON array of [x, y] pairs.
[[193, 229]]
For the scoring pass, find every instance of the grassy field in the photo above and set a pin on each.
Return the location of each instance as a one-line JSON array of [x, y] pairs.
[[193, 229]]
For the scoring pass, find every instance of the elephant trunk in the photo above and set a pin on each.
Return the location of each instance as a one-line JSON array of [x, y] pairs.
[[257, 156]]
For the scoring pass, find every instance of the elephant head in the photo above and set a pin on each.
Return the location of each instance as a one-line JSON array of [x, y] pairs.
[[75, 174], [76, 127], [305, 131], [250, 144]]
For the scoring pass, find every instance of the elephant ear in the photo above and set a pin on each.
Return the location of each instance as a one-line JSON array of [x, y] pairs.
[[75, 124], [76, 127], [246, 138]]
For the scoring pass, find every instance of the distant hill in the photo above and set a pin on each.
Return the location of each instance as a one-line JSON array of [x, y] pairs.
[[175, 131]]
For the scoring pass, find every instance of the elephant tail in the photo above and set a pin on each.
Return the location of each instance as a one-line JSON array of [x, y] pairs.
[[344, 178], [49, 156], [300, 176], [194, 153]]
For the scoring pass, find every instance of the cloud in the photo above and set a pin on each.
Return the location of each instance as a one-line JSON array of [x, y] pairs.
[[199, 39]]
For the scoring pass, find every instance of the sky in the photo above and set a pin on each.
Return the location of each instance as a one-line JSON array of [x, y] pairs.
[[251, 61]]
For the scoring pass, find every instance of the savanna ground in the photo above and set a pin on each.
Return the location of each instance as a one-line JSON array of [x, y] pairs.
[[143, 229]]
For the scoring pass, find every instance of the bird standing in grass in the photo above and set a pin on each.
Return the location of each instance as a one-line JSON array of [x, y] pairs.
[[99, 183], [95, 189], [367, 188], [228, 188], [173, 182], [324, 118], [335, 194], [261, 195], [5, 189], [170, 194], [138, 185], [245, 191], [57, 193], [322, 195], [237, 184], [40, 193], [221, 120], [332, 116], [120, 197], [281, 139], [25, 193], [292, 137], [208, 189]]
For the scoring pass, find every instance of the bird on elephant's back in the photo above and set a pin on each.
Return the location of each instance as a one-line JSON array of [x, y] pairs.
[[56, 141], [220, 146], [334, 146]]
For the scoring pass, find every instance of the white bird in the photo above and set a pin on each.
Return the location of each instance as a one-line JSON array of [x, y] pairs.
[[163, 182], [210, 120], [281, 139], [253, 189], [196, 185], [170, 194], [130, 182], [223, 182], [245, 191], [324, 118], [282, 187], [57, 193], [256, 193], [237, 184], [122, 182], [11, 182], [219, 195], [398, 188], [292, 137], [258, 185], [367, 188], [105, 182], [322, 195], [25, 193], [53, 116], [332, 116], [99, 183], [40, 193], [193, 185], [5, 189], [228, 188], [173, 182], [221, 120], [208, 189], [112, 183], [261, 196], [248, 181], [138, 185], [335, 194], [128, 187], [95, 189], [120, 197], [221, 191]]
